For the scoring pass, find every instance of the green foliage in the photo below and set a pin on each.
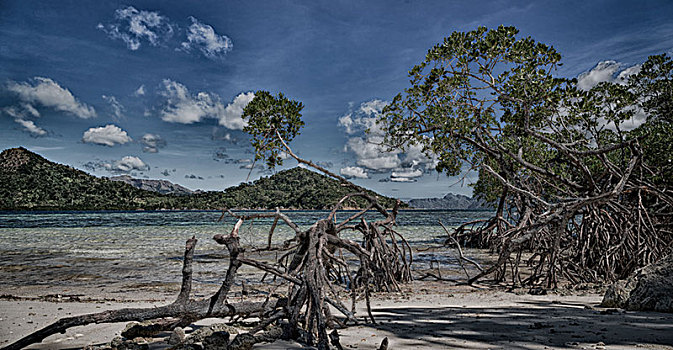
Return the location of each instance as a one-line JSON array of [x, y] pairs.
[[472, 100], [269, 117], [561, 158], [653, 88]]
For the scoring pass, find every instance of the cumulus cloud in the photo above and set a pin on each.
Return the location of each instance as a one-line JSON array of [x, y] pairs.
[[414, 156], [368, 148], [614, 72], [108, 135], [203, 38], [406, 164], [48, 93], [125, 165], [605, 71], [232, 118], [30, 126], [184, 108], [371, 154], [350, 172], [117, 108], [363, 118], [134, 26], [152, 143]]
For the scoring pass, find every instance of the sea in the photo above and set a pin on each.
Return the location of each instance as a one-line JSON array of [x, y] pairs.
[[73, 248]]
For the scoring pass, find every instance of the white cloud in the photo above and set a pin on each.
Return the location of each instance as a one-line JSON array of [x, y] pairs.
[[410, 173], [152, 143], [31, 110], [368, 148], [49, 93], [14, 112], [373, 107], [203, 37], [133, 27], [127, 164], [613, 72], [605, 71], [363, 118], [402, 179], [371, 154], [30, 126], [354, 171], [185, 108], [117, 108], [108, 135], [140, 91], [232, 118], [414, 156], [20, 115]]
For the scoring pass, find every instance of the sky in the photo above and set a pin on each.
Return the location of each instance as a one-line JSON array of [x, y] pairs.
[[156, 89]]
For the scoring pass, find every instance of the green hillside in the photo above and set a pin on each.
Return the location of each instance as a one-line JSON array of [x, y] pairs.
[[296, 188], [31, 182]]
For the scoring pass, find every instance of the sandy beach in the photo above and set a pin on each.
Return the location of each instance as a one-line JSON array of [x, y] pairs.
[[426, 315]]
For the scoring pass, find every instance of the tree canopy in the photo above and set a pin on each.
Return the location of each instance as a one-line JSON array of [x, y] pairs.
[[570, 181]]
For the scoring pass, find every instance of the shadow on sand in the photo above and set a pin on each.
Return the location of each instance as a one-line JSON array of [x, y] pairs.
[[526, 325]]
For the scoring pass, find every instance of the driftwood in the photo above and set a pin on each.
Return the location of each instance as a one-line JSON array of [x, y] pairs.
[[313, 270]]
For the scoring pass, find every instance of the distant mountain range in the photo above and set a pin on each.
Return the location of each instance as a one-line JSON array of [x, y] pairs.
[[159, 186], [450, 201], [31, 182]]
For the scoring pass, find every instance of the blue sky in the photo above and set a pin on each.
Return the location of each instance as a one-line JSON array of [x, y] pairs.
[[155, 88]]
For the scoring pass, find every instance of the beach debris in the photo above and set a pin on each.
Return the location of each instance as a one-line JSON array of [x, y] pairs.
[[121, 343], [216, 340], [384, 344], [149, 328], [202, 333], [177, 336]]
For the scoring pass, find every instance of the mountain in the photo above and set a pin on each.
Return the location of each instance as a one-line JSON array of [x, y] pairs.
[[295, 188], [160, 186], [450, 201], [31, 182]]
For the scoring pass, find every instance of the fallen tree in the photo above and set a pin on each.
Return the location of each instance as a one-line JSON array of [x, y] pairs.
[[313, 268]]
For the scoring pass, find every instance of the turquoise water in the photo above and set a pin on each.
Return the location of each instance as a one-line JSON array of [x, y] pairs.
[[67, 248]]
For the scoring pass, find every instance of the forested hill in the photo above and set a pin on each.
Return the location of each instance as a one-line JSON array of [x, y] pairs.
[[296, 188], [31, 182]]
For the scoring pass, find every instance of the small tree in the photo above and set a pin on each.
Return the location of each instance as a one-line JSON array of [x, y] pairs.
[[566, 179]]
